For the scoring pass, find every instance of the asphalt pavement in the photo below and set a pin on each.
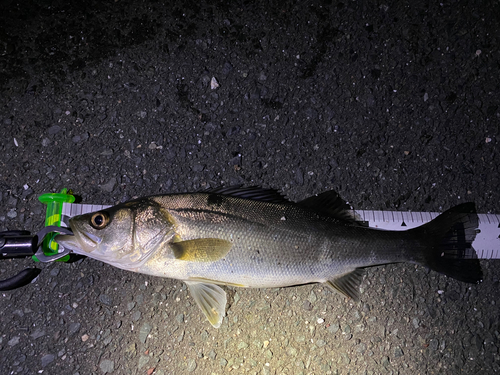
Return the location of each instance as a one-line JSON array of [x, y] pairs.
[[394, 104]]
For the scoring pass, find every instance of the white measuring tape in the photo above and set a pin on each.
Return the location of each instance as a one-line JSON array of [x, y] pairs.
[[486, 244]]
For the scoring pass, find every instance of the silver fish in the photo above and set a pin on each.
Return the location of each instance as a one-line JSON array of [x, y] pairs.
[[252, 237]]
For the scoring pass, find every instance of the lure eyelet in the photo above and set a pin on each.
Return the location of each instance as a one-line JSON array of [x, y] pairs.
[[99, 220]]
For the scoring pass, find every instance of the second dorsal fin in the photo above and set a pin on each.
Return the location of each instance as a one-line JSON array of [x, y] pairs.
[[331, 204]]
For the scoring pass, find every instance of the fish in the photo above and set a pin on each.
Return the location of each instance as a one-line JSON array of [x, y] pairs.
[[256, 238]]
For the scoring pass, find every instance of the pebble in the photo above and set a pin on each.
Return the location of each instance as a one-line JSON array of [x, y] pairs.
[[107, 366], [144, 332], [398, 352], [54, 272], [214, 84], [227, 68], [136, 316], [242, 345], [38, 333], [143, 360], [180, 318], [73, 328], [130, 305], [312, 297], [191, 366], [212, 354], [105, 299], [53, 129], [14, 341], [47, 359], [109, 186], [307, 305], [320, 343], [385, 362], [333, 328], [433, 344]]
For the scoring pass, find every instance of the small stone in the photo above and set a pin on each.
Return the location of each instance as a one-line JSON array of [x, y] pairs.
[[214, 84], [109, 186], [144, 332], [242, 345], [312, 297], [38, 333], [47, 359], [307, 305], [107, 366], [130, 305], [143, 360], [320, 343], [433, 344], [227, 68], [85, 337], [212, 354], [191, 366], [136, 316], [333, 328], [73, 328], [54, 272], [180, 318], [398, 352], [105, 299], [385, 362], [14, 341], [198, 167], [54, 129]]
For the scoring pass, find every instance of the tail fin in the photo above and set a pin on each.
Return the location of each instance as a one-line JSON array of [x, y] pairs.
[[449, 237]]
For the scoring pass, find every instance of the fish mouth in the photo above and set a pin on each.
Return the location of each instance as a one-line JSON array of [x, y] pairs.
[[80, 242], [89, 237]]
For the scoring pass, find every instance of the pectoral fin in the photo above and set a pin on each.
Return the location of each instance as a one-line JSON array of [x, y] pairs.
[[211, 299], [201, 249], [348, 284]]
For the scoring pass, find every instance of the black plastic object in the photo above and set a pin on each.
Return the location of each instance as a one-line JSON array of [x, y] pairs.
[[23, 278], [17, 243]]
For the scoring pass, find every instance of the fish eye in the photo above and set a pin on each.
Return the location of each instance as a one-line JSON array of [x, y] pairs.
[[99, 220]]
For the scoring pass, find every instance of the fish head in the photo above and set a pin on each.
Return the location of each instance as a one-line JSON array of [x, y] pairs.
[[123, 236]]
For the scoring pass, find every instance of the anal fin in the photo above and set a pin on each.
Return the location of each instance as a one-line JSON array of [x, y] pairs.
[[211, 299], [348, 284]]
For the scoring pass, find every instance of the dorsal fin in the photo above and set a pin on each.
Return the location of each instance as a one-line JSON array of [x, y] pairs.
[[331, 204], [253, 192]]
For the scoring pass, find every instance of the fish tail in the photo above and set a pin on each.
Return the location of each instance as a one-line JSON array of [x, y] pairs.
[[449, 240]]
